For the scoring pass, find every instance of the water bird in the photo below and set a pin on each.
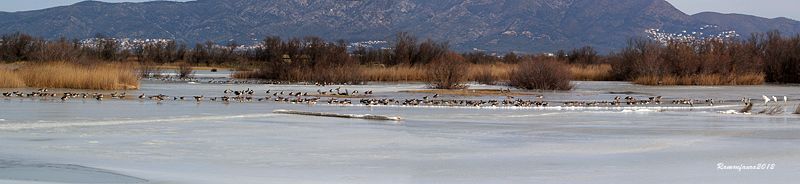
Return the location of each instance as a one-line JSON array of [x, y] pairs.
[[198, 98], [775, 99], [766, 99]]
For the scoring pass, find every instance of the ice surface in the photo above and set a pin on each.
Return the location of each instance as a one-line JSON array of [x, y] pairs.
[[134, 141]]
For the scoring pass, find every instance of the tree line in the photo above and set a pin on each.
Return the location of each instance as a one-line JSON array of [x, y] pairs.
[[771, 54], [312, 58]]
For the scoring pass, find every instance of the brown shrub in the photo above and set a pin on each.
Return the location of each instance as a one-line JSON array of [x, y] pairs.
[[149, 68], [541, 73], [448, 72], [184, 70]]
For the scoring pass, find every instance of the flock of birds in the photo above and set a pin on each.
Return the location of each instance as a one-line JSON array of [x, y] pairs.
[[224, 80], [335, 96]]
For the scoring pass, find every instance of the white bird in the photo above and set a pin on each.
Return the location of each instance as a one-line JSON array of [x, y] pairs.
[[766, 99], [774, 99], [784, 99]]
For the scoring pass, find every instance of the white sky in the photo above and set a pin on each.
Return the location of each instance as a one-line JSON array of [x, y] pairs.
[[762, 8]]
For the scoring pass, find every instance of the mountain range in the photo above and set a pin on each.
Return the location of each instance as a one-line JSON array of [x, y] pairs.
[[500, 26]]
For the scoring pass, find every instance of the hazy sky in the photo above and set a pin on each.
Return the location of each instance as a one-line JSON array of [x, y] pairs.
[[762, 8]]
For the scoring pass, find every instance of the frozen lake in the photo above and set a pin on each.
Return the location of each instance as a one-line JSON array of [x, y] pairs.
[[144, 141]]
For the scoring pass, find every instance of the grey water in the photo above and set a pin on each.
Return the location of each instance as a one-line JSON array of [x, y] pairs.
[[145, 141]]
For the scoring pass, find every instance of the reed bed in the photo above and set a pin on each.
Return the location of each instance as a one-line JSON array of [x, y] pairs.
[[489, 73], [704, 80], [395, 73], [416, 73], [111, 76], [9, 79], [600, 72]]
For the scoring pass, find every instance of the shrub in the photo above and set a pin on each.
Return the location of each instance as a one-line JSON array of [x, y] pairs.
[[542, 73], [185, 70], [448, 71], [147, 69]]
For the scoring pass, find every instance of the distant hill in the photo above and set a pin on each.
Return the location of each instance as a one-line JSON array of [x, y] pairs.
[[501, 26], [746, 24]]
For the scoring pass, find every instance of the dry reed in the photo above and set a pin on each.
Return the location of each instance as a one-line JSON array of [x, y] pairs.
[[70, 75], [704, 80], [9, 79], [591, 72], [394, 73], [499, 71], [470, 92]]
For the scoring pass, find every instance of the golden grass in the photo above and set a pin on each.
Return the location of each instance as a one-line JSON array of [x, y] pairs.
[[418, 73], [703, 80], [600, 72], [469, 92], [111, 76], [499, 71], [9, 79], [394, 73]]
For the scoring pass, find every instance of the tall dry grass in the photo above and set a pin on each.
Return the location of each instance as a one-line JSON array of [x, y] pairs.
[[601, 72], [417, 73], [110, 76], [704, 80], [9, 79], [481, 72], [394, 73]]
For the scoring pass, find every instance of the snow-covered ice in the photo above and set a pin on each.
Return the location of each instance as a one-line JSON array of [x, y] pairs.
[[133, 141]]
